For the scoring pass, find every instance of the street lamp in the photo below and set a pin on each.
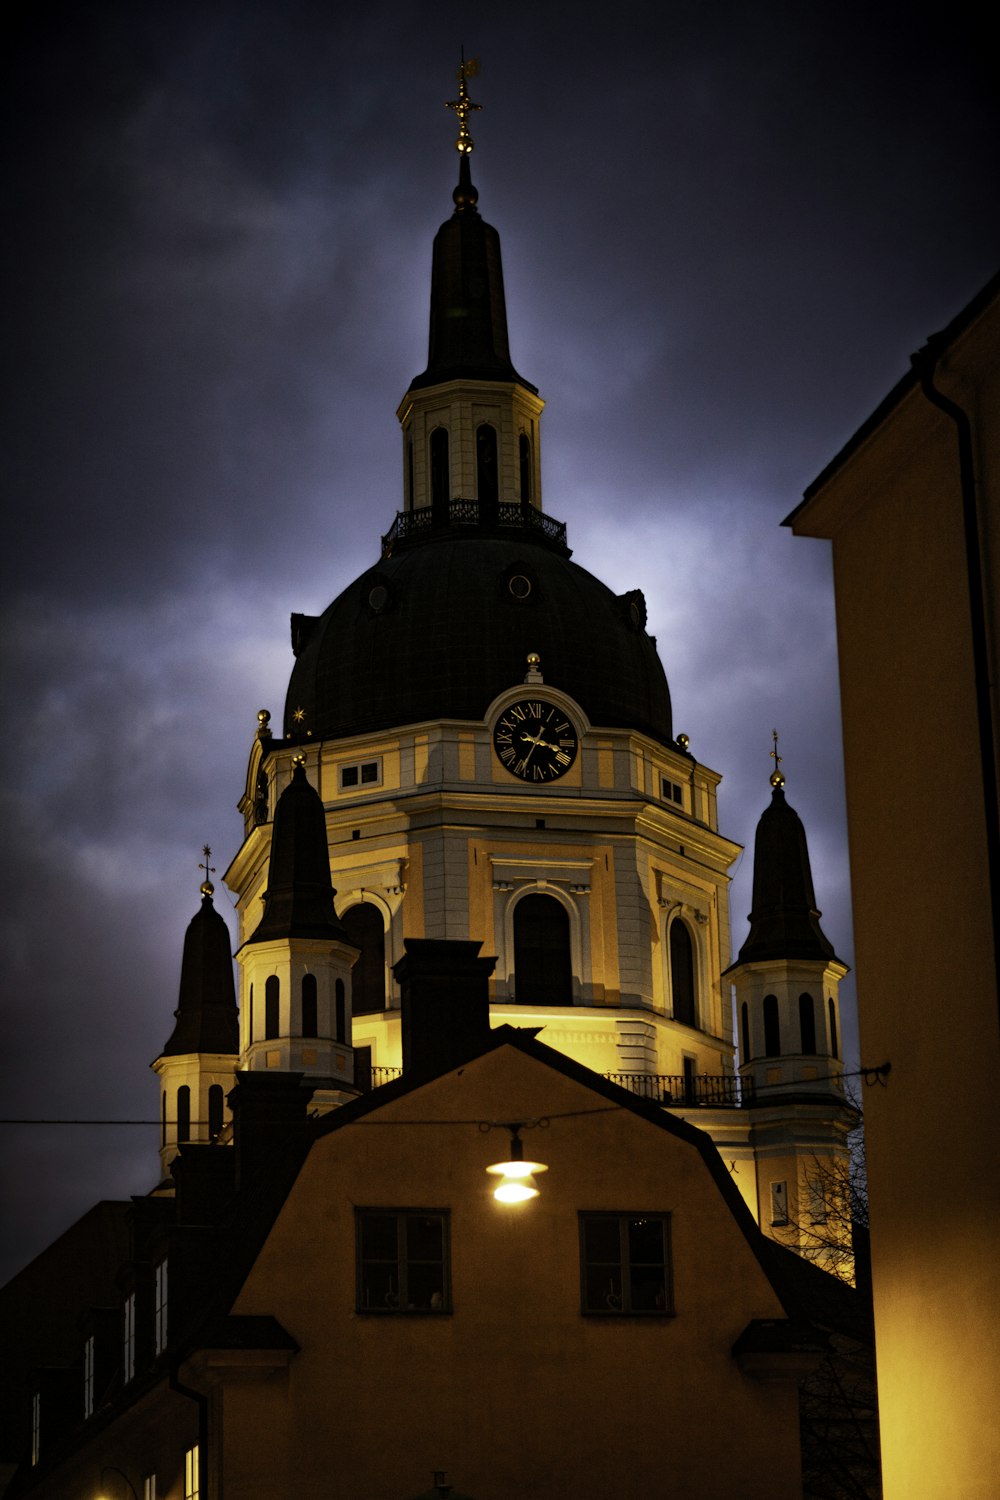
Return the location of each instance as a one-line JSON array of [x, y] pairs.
[[517, 1177]]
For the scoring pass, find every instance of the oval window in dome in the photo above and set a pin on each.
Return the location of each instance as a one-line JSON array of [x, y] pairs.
[[520, 586]]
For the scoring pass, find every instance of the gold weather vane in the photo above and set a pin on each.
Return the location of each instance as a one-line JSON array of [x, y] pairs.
[[777, 775], [206, 886], [463, 105]]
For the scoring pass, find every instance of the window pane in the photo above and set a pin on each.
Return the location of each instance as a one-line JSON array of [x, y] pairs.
[[379, 1286], [601, 1239], [369, 771], [378, 1237], [425, 1286], [645, 1241], [602, 1290], [424, 1239], [647, 1289]]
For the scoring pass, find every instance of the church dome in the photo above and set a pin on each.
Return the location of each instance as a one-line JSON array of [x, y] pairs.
[[445, 621]]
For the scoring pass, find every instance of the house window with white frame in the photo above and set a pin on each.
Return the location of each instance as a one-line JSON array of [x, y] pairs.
[[88, 1376], [625, 1264], [192, 1474], [160, 1308], [128, 1338]]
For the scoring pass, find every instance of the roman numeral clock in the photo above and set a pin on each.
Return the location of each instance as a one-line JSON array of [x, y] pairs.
[[535, 740]]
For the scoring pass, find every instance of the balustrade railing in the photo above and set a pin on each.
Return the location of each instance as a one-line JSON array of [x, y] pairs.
[[680, 1091], [674, 1090], [461, 512]]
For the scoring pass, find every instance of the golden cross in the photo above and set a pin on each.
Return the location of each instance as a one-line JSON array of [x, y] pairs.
[[777, 775], [463, 105]]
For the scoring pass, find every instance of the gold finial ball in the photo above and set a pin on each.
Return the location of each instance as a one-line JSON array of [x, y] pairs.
[[263, 717], [777, 780], [207, 888], [683, 741], [298, 759], [534, 660]]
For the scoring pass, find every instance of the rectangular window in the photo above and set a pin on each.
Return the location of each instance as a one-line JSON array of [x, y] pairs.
[[403, 1261], [149, 1487], [36, 1427], [671, 792], [779, 1202], [160, 1308], [192, 1480], [625, 1264], [364, 773], [818, 1211], [128, 1338], [88, 1377]]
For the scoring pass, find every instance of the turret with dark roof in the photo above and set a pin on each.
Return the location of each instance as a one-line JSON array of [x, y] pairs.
[[784, 920], [299, 898], [206, 1015]]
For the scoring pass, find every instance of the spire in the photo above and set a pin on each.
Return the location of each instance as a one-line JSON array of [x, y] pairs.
[[468, 325], [206, 1010], [784, 921], [298, 902]]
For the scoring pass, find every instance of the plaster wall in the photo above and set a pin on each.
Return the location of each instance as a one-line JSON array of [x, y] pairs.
[[927, 995], [515, 1391]]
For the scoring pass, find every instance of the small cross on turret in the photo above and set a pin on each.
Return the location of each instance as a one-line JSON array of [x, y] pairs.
[[777, 775], [463, 105], [207, 888]]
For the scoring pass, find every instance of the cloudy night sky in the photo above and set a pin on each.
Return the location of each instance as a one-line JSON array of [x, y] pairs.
[[725, 229]]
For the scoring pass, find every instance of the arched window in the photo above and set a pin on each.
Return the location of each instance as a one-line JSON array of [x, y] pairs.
[[807, 1023], [543, 968], [682, 973], [772, 1028], [833, 1027], [183, 1113], [215, 1099], [310, 1007], [440, 475], [524, 469], [272, 990], [487, 477], [340, 1010], [365, 931], [409, 473], [163, 1119], [745, 1031]]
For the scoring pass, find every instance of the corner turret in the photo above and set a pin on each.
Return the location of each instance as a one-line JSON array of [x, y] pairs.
[[297, 963], [197, 1066]]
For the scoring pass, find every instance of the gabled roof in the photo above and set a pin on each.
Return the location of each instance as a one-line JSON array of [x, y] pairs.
[[261, 1203]]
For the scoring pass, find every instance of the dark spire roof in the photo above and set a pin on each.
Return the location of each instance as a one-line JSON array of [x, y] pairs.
[[468, 332], [784, 922], [298, 902], [206, 1009]]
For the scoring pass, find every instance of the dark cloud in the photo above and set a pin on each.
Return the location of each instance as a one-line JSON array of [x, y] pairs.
[[725, 228]]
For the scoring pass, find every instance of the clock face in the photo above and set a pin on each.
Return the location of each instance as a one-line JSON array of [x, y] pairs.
[[535, 740]]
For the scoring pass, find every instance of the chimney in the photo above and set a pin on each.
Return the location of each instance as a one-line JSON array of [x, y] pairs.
[[269, 1124], [446, 1002]]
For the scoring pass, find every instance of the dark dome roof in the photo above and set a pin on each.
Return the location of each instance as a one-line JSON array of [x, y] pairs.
[[435, 631]]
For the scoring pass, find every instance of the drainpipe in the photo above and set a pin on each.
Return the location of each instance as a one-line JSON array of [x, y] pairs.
[[202, 1400], [924, 363]]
